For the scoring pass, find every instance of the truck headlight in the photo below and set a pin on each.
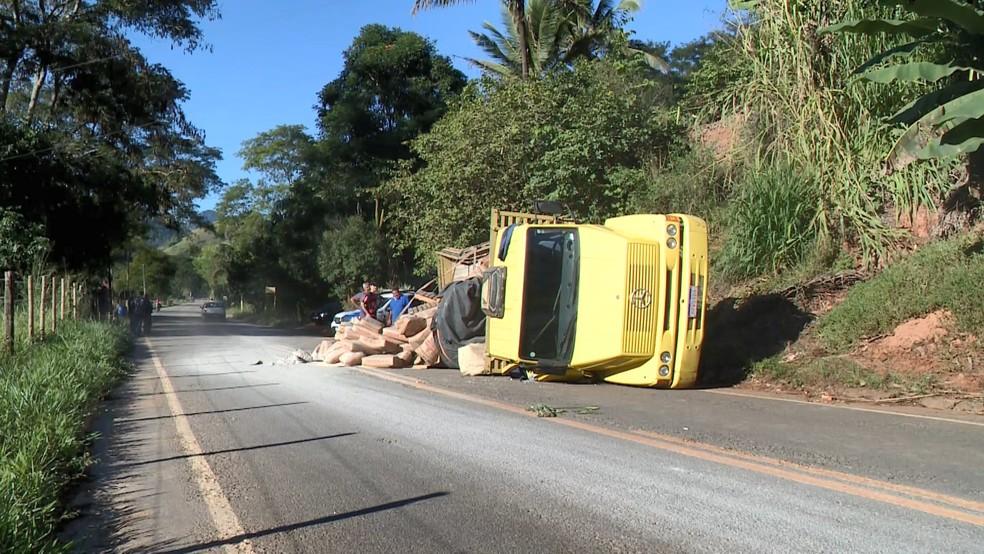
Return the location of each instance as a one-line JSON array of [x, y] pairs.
[[671, 242], [664, 371], [671, 230], [665, 357]]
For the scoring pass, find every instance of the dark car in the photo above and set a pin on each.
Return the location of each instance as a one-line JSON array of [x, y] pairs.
[[324, 314]]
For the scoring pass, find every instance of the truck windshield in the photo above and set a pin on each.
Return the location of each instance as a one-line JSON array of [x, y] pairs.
[[550, 296]]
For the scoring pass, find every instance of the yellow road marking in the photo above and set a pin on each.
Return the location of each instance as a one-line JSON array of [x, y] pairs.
[[831, 474], [219, 509], [843, 407], [826, 479]]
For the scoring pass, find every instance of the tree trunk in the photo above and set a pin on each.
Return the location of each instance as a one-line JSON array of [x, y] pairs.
[[55, 92], [7, 80], [518, 8], [36, 91]]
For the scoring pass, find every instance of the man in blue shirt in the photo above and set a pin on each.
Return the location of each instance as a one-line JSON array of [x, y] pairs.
[[398, 304]]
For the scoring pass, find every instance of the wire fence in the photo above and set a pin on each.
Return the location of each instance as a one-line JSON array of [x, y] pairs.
[[34, 306]]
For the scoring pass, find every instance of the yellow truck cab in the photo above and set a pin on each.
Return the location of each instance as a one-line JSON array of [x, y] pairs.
[[623, 302]]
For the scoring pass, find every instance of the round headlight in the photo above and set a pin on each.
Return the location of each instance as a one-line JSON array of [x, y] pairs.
[[665, 357], [671, 230], [664, 371], [671, 242]]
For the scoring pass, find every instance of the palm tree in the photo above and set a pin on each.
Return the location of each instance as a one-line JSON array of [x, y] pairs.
[[558, 32], [546, 26], [591, 28], [517, 11]]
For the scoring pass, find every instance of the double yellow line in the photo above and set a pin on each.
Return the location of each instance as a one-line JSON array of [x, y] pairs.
[[913, 498]]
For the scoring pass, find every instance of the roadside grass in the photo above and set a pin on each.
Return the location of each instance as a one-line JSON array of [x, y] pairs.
[[947, 274], [47, 393], [839, 371]]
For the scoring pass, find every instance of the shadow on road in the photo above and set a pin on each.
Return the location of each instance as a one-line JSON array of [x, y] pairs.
[[189, 375], [240, 449], [309, 523], [203, 390], [739, 333], [247, 408], [186, 324]]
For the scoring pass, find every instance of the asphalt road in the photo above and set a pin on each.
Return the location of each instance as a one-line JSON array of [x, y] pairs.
[[202, 450]]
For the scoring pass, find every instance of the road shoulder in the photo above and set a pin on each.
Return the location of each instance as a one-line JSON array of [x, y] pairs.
[[139, 479]]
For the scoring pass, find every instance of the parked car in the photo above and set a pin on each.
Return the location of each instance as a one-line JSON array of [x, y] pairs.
[[214, 310], [349, 317], [324, 315]]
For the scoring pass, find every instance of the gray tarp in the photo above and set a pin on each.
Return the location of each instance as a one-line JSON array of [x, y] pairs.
[[459, 319]]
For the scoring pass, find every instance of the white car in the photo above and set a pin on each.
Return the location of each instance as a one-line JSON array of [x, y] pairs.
[[351, 316], [214, 310]]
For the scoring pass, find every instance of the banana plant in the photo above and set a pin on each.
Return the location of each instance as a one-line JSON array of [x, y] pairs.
[[947, 121]]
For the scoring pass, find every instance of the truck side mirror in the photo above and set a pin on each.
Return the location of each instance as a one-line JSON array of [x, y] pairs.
[[494, 292]]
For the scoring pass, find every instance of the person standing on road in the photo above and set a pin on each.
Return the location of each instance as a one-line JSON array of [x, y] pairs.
[[370, 301], [133, 311], [146, 313], [357, 297], [397, 305]]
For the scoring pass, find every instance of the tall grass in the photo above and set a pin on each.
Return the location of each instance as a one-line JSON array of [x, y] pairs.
[[47, 392], [804, 111], [770, 222]]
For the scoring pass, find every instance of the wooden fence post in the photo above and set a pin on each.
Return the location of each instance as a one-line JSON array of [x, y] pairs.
[[61, 306], [75, 301], [41, 316], [54, 306], [30, 308], [8, 311]]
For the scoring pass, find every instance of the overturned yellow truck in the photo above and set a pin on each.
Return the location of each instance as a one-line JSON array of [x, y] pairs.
[[623, 302]]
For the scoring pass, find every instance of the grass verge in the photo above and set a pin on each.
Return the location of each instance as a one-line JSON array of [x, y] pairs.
[[946, 274], [47, 394], [838, 371]]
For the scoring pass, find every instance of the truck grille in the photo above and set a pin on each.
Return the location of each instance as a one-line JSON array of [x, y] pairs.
[[642, 298]]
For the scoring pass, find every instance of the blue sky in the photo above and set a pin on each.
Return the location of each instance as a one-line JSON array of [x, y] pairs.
[[269, 59]]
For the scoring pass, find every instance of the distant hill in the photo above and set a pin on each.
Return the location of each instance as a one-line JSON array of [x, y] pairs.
[[191, 243], [159, 235]]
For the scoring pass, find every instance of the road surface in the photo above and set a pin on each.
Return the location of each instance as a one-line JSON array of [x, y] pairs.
[[202, 450]]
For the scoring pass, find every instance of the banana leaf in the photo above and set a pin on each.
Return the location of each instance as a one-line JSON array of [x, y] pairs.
[[914, 27], [921, 106], [958, 12], [917, 140], [912, 71]]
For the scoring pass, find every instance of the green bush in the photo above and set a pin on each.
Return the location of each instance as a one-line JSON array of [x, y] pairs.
[[582, 137], [770, 222], [947, 274], [46, 394], [351, 253]]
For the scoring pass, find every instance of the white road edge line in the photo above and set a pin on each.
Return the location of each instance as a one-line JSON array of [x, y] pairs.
[[841, 407], [219, 509]]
